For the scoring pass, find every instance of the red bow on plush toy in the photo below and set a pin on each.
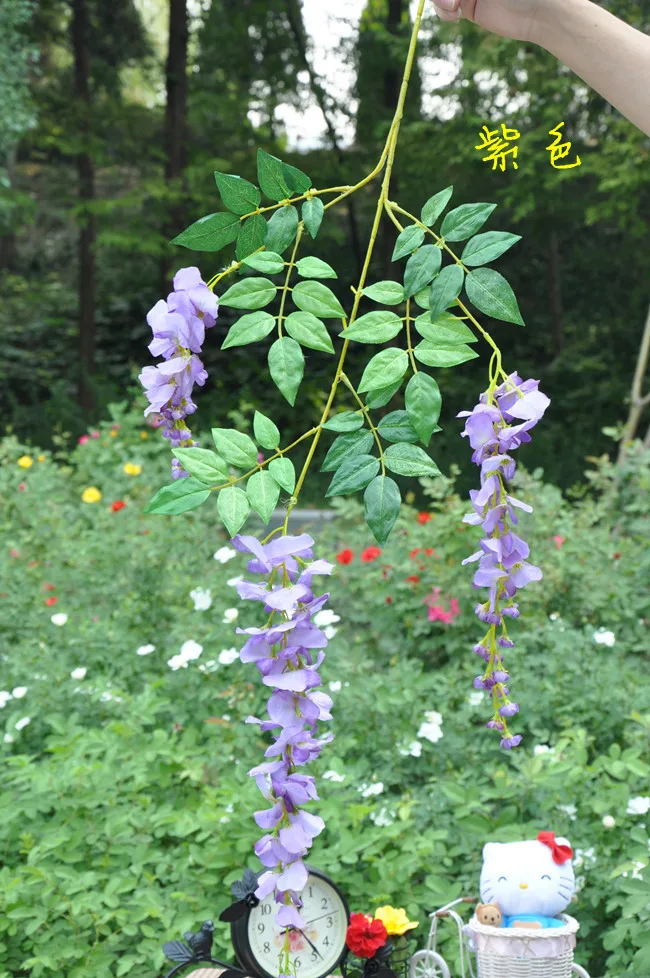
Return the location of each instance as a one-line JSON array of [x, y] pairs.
[[560, 853]]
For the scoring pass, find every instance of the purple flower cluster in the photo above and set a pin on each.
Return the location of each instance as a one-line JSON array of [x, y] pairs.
[[498, 424], [178, 327], [288, 652]]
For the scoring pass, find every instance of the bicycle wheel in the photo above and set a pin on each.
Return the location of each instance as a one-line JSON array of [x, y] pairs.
[[579, 971], [428, 964]]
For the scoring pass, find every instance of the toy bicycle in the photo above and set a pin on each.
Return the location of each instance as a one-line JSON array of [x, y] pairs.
[[491, 952]]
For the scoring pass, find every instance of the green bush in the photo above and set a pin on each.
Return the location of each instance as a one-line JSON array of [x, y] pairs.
[[126, 811]]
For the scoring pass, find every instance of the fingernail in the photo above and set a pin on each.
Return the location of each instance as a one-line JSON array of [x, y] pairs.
[[446, 4]]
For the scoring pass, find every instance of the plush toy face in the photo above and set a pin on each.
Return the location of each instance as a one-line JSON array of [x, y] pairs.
[[489, 914], [524, 878]]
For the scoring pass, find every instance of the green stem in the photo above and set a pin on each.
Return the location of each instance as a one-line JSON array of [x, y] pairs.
[[409, 343], [364, 410], [260, 465], [285, 288]]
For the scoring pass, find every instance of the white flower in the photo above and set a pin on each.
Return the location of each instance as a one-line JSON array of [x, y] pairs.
[[23, 722], [569, 810], [609, 821], [542, 749], [210, 666], [177, 662], [191, 649], [335, 686], [59, 619], [325, 617], [228, 656], [19, 692], [414, 749], [145, 650], [604, 637], [638, 806], [430, 731], [433, 717], [230, 615], [476, 697], [202, 598], [586, 857], [79, 673], [368, 790], [224, 554], [224, 819], [4, 698], [383, 818], [636, 871], [9, 739], [234, 581], [333, 776], [330, 632], [554, 615]]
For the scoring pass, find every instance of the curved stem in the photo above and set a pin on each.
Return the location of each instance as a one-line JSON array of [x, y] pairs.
[[409, 344], [366, 413], [285, 288]]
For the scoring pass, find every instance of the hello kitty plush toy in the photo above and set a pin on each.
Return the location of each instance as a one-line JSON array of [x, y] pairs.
[[530, 882]]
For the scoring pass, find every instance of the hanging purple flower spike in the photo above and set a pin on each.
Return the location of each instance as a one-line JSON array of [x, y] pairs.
[[288, 652], [178, 327], [498, 424]]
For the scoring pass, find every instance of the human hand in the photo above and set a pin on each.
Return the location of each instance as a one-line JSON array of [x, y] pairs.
[[518, 19]]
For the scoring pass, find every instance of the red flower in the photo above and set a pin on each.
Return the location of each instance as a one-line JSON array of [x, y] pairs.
[[616, 556], [430, 552], [413, 554], [49, 587], [413, 579], [558, 540], [117, 505], [424, 518], [345, 557], [365, 935], [21, 486], [50, 601], [370, 554], [389, 600]]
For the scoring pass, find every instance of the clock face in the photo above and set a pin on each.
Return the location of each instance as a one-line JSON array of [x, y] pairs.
[[318, 949]]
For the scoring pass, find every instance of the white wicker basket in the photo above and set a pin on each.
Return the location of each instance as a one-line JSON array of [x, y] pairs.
[[522, 952]]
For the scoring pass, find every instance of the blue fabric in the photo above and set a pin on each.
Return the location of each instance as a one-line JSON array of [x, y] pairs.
[[533, 918]]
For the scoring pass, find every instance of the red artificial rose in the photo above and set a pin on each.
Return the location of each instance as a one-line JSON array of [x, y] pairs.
[[345, 556], [117, 505], [424, 518], [365, 935], [370, 554], [50, 601]]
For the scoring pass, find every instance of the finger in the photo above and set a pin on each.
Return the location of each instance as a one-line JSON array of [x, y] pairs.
[[447, 6], [447, 14]]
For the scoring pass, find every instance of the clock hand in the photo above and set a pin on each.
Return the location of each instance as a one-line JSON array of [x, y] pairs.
[[330, 914], [312, 945]]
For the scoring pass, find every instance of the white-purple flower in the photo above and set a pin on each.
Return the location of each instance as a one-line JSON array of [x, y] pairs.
[[497, 425]]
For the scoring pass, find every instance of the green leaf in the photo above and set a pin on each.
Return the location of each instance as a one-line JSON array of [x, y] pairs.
[[385, 368], [236, 447], [281, 229], [382, 395], [464, 221], [407, 241], [446, 331], [309, 331], [422, 298], [210, 233], [284, 473], [270, 176], [347, 446], [317, 299], [268, 262], [311, 267], [266, 432], [435, 206], [312, 215], [490, 292], [180, 497], [286, 366], [389, 293], [397, 427], [347, 421], [263, 493], [382, 501], [423, 403], [251, 236], [234, 507], [238, 195], [484, 248], [445, 290], [297, 181], [375, 327], [420, 269], [409, 460], [249, 293], [204, 465], [450, 356], [354, 474], [250, 328]]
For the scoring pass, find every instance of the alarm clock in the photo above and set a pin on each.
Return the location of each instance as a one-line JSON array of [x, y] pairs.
[[315, 952]]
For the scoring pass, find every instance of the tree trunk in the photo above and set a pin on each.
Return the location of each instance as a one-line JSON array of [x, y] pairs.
[[637, 401], [555, 294], [175, 122], [86, 188]]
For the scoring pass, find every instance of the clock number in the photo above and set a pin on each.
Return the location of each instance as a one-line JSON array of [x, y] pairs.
[[266, 909], [314, 956], [311, 893], [330, 922], [297, 963], [261, 928], [267, 947], [323, 903], [326, 941]]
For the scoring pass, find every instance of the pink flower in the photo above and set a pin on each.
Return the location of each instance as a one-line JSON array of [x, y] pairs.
[[94, 434], [559, 540], [437, 611], [83, 439], [260, 457], [21, 486]]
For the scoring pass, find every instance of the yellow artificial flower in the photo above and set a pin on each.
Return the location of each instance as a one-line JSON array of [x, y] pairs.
[[41, 458], [131, 469], [113, 433], [25, 461], [395, 920], [91, 495], [144, 435]]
